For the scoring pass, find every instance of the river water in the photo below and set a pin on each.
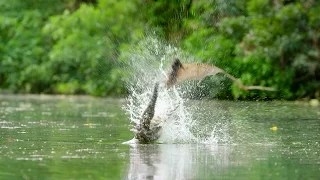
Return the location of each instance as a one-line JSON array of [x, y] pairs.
[[74, 137]]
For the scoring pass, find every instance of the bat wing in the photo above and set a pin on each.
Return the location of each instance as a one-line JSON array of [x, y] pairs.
[[182, 72], [196, 71]]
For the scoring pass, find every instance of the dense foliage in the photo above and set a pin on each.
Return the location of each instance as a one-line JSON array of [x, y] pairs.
[[73, 47]]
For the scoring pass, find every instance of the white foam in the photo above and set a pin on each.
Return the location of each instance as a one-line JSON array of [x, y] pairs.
[[149, 61]]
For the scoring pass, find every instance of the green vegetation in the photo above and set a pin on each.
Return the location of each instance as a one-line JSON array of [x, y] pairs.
[[73, 47]]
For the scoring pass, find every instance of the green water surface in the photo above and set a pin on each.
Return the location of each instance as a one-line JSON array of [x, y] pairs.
[[62, 137]]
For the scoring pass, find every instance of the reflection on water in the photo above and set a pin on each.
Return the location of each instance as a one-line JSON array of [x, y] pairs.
[[176, 161], [62, 137]]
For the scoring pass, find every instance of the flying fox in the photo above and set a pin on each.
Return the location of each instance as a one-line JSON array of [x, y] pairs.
[[181, 72]]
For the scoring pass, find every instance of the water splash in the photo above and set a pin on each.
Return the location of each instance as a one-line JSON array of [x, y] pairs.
[[149, 61]]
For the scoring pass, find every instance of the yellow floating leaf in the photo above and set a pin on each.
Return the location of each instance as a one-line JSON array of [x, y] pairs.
[[89, 124], [274, 128]]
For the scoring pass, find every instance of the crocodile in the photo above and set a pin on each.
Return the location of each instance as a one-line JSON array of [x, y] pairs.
[[148, 131]]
